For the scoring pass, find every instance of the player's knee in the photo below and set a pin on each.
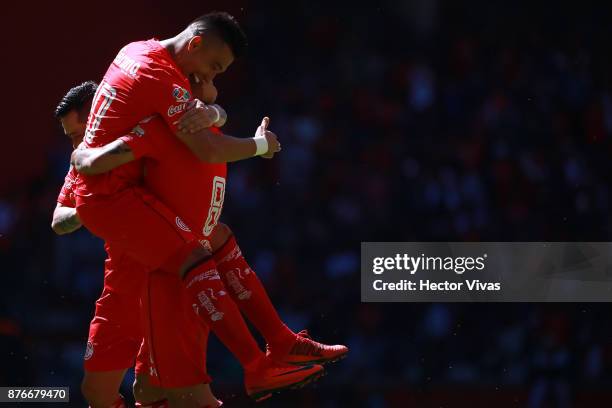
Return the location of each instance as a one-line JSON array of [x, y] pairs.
[[197, 256], [95, 396], [223, 230], [198, 395], [220, 236]]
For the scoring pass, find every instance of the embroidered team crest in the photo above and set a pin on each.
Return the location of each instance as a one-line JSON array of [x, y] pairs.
[[180, 94]]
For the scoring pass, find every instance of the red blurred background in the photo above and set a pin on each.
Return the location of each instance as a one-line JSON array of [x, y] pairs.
[[50, 46]]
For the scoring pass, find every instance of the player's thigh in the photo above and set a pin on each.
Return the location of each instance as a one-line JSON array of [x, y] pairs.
[[146, 393], [175, 338], [100, 387], [136, 222], [219, 236], [196, 396]]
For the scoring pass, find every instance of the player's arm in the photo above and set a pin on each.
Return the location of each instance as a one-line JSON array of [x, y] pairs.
[[210, 147], [65, 220], [102, 159], [205, 144]]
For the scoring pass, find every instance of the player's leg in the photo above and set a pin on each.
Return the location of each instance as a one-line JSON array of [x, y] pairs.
[[138, 224], [250, 295], [101, 388], [206, 293], [146, 394], [245, 287], [176, 359], [213, 306], [149, 396], [114, 336], [142, 226]]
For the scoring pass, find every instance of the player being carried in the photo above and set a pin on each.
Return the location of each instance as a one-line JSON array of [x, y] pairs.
[[150, 78]]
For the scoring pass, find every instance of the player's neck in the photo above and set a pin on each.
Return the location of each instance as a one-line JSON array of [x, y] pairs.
[[171, 45], [176, 47]]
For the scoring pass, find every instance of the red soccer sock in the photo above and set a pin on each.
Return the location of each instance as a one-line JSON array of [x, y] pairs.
[[221, 314], [249, 294]]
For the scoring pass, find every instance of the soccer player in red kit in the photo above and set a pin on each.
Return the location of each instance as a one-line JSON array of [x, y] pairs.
[[151, 78], [115, 333], [111, 347]]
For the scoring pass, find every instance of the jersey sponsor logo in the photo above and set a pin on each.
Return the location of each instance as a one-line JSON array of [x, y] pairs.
[[182, 225], [180, 94], [126, 64], [89, 350], [174, 109]]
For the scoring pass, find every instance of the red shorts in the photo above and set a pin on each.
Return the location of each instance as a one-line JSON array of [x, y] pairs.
[[174, 350], [116, 330], [135, 222]]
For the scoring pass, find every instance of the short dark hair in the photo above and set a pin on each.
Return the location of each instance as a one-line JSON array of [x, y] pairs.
[[223, 25], [77, 98]]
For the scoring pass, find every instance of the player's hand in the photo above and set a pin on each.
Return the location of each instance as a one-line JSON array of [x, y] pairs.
[[199, 116], [75, 155], [273, 143]]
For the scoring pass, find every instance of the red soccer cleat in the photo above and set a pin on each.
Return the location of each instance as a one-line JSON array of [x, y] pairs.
[[275, 377], [306, 351]]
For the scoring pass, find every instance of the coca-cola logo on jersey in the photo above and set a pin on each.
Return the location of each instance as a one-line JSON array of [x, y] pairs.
[[174, 109]]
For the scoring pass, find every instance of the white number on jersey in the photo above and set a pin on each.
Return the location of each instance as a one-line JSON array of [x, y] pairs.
[[216, 205], [105, 95]]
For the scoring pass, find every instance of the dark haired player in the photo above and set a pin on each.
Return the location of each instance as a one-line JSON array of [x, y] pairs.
[[151, 78], [115, 333], [111, 347]]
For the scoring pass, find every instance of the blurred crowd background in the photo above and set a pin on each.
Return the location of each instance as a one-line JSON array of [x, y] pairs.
[[420, 120]]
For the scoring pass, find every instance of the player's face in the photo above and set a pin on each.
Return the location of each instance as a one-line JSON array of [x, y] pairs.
[[204, 91], [73, 127], [210, 57]]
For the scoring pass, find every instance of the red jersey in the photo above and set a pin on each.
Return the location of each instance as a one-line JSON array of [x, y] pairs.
[[66, 195], [193, 190], [143, 80]]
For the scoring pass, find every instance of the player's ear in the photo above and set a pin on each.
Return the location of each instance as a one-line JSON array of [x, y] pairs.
[[194, 43]]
